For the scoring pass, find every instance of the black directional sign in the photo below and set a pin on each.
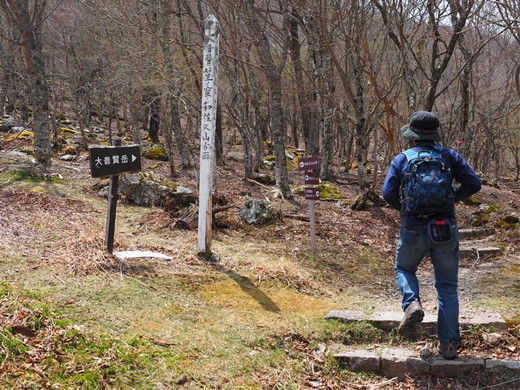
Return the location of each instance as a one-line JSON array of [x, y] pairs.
[[312, 177], [309, 163], [312, 193], [114, 160]]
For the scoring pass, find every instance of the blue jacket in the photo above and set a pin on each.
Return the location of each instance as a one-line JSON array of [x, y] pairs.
[[467, 178]]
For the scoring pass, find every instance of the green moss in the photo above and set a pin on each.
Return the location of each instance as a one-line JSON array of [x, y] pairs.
[[26, 176], [489, 208], [472, 201], [368, 168], [87, 360], [328, 191], [24, 135], [67, 131], [291, 160], [508, 222], [149, 176], [494, 208], [490, 182], [69, 149], [156, 152], [479, 219], [27, 150], [362, 332]]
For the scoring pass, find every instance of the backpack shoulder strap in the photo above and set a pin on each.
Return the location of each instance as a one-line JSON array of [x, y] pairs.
[[444, 154], [440, 149], [410, 154]]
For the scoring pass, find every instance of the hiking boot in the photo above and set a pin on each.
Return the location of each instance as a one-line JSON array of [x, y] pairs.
[[413, 315], [448, 350]]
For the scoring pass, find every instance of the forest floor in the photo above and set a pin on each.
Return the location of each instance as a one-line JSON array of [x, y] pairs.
[[71, 315]]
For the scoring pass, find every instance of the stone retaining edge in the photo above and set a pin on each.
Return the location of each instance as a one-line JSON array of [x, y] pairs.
[[403, 363]]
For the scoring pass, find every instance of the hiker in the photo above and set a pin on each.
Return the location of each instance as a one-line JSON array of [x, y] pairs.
[[428, 225]]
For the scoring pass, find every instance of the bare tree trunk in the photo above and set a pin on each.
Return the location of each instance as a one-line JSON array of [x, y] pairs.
[[465, 83], [219, 140], [30, 24], [253, 114], [154, 122], [441, 54], [178, 134], [167, 133], [303, 96], [4, 78], [362, 138], [274, 79], [8, 88], [326, 114], [238, 112]]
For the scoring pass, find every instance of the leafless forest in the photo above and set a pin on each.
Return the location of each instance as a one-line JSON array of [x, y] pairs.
[[336, 78]]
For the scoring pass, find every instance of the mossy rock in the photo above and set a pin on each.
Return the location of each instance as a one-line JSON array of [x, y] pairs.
[[488, 208], [156, 152], [472, 201], [483, 214], [24, 135], [147, 189], [290, 158], [27, 150], [490, 182], [327, 191], [25, 175], [67, 131], [156, 179], [368, 168], [508, 222], [69, 149], [480, 219]]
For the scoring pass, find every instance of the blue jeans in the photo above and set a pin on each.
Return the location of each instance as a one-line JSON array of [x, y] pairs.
[[414, 244]]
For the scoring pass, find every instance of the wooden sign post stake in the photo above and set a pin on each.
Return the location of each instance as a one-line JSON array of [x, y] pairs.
[[112, 161], [207, 136], [312, 177]]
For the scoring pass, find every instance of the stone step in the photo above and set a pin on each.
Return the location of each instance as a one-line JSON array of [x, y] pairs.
[[390, 320], [470, 251], [404, 362], [470, 233]]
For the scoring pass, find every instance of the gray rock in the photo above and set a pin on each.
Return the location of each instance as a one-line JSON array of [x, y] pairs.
[[258, 212], [494, 364], [401, 363], [360, 360], [460, 368], [151, 190]]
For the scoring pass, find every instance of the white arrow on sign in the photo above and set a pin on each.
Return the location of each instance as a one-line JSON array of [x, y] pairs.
[[133, 158]]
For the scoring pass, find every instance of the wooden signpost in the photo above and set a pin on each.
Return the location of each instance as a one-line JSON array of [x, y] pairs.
[[113, 161], [207, 134], [311, 166]]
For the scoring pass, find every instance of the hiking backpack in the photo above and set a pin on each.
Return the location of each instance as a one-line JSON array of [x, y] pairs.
[[426, 188]]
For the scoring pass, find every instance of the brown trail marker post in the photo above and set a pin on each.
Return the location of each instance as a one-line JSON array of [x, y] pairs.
[[207, 134], [112, 161], [311, 166]]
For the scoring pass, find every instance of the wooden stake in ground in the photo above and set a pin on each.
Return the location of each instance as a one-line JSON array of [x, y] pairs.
[[207, 136], [112, 161], [311, 165]]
